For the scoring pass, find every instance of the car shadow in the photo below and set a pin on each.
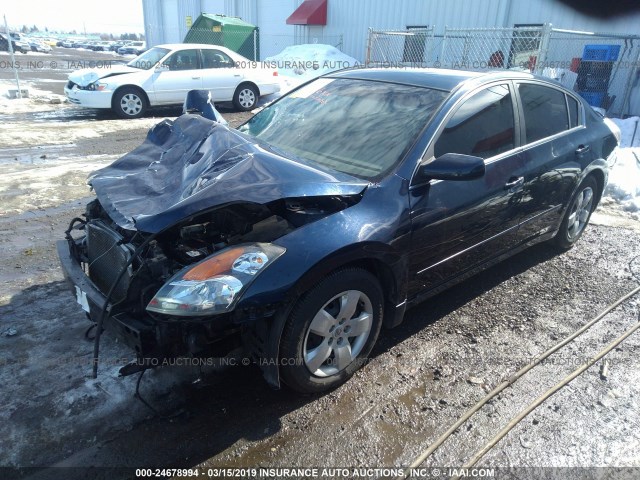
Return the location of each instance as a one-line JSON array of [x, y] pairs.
[[75, 114], [430, 311], [235, 403]]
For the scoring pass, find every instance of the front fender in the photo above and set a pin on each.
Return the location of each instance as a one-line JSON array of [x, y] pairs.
[[372, 234]]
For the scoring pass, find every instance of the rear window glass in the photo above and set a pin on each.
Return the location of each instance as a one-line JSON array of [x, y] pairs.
[[545, 111], [574, 120]]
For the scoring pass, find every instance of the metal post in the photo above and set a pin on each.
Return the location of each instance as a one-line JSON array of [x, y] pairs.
[[442, 46], [367, 58], [544, 48], [627, 93], [255, 45], [13, 58]]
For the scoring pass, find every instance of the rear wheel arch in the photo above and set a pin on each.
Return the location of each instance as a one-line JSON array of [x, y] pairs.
[[238, 102], [578, 212], [600, 178]]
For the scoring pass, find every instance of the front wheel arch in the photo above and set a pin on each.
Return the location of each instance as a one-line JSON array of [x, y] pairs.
[[343, 313], [384, 268]]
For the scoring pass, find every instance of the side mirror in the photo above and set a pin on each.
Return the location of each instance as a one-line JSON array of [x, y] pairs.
[[453, 166], [162, 67]]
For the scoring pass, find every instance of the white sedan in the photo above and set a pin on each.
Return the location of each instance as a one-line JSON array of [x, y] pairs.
[[163, 75]]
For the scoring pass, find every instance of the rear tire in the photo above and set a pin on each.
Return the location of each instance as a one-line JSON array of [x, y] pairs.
[[331, 331], [577, 216], [246, 97]]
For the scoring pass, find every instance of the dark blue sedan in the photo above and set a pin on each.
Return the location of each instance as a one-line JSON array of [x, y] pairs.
[[329, 213]]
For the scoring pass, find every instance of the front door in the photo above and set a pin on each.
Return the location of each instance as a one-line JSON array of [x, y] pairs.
[[181, 73], [457, 225]]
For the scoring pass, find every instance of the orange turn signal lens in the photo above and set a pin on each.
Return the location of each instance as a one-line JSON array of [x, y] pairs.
[[215, 265]]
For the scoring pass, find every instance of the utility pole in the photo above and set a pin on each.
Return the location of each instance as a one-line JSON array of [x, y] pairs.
[[13, 58]]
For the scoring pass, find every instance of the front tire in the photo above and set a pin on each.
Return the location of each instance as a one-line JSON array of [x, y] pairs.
[[577, 216], [331, 331], [129, 102], [246, 97]]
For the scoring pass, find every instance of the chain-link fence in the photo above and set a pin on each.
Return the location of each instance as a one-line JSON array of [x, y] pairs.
[[602, 68], [491, 48], [400, 47]]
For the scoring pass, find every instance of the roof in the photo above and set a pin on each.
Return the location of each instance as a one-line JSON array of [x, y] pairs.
[[310, 12], [437, 78]]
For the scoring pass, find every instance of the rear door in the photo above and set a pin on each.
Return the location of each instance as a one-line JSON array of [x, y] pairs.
[[460, 224], [556, 144], [220, 74]]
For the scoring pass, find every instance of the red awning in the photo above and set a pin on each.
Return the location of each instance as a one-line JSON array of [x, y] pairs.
[[310, 12]]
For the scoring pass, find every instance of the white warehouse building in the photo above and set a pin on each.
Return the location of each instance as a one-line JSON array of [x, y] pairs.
[[547, 37], [347, 21]]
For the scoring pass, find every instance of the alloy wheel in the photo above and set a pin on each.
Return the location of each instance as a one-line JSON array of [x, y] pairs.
[[580, 211], [338, 333]]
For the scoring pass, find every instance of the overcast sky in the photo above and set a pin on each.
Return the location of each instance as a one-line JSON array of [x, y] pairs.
[[100, 16]]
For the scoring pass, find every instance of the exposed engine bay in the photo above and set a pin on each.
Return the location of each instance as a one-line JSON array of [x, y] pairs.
[[189, 194]]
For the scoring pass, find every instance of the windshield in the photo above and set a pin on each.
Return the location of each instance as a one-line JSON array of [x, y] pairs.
[[149, 58], [358, 127]]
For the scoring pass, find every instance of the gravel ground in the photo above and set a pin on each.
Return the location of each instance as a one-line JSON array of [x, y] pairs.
[[422, 376]]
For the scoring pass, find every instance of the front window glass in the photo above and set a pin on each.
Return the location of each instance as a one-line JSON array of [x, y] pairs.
[[148, 59], [183, 60], [358, 127], [483, 125]]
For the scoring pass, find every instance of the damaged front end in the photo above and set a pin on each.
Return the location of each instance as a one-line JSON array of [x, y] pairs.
[[181, 228]]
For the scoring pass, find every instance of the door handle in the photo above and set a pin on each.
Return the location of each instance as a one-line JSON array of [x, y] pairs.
[[514, 183], [582, 149], [195, 78]]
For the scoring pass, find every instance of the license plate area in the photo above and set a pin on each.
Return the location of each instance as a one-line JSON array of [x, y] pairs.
[[81, 298]]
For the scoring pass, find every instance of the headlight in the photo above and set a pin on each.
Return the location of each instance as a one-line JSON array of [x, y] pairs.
[[214, 285], [95, 86], [98, 86]]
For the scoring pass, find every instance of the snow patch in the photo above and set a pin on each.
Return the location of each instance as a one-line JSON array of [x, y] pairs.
[[624, 176], [630, 130], [624, 180], [310, 60]]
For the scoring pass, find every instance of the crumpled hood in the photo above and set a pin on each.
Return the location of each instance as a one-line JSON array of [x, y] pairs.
[[87, 76], [194, 164]]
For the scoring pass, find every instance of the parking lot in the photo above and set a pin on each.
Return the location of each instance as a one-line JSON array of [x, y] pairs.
[[423, 375]]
